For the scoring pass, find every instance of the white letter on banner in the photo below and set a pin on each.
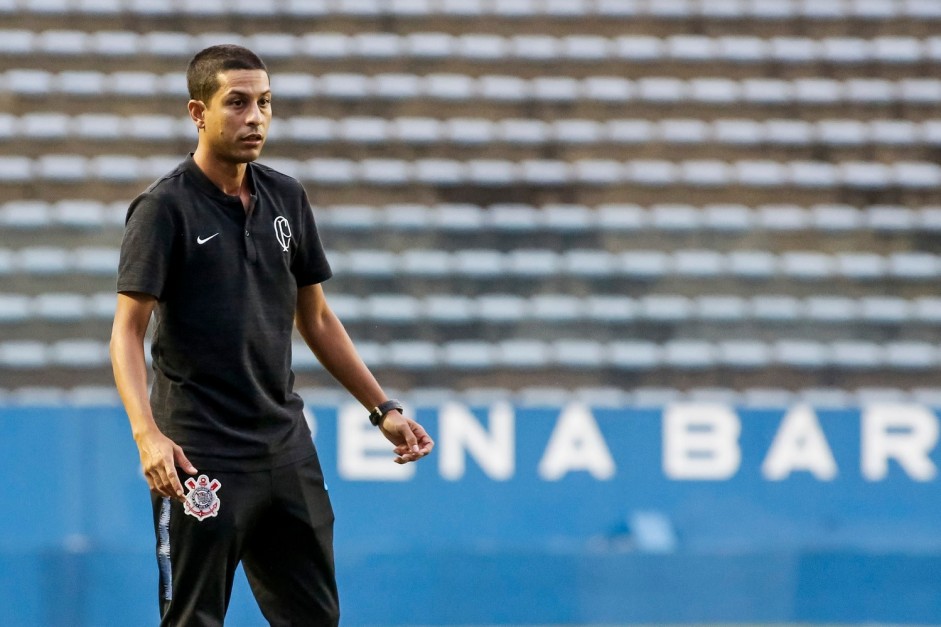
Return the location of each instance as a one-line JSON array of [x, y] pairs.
[[364, 453], [460, 433], [906, 433], [576, 444], [799, 445], [700, 442]]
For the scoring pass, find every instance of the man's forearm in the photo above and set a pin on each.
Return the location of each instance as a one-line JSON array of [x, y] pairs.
[[332, 346], [130, 377]]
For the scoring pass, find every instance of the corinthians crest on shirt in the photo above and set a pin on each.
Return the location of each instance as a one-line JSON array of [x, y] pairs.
[[202, 500]]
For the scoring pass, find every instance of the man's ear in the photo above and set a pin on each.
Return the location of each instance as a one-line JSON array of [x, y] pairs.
[[197, 111]]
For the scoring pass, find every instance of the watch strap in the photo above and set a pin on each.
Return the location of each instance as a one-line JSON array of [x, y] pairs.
[[380, 411]]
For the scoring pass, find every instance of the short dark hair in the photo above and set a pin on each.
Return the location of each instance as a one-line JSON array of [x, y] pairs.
[[202, 75]]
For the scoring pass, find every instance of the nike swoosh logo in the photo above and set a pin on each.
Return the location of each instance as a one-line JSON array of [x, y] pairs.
[[201, 241]]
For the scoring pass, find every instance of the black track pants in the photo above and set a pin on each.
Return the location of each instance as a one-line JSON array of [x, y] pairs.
[[278, 523]]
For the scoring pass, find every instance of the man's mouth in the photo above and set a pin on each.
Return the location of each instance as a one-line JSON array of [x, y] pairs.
[[253, 138]]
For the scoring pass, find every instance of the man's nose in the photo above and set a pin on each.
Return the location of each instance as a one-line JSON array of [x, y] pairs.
[[255, 116]]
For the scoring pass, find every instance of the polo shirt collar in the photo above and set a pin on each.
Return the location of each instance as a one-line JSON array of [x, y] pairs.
[[209, 188]]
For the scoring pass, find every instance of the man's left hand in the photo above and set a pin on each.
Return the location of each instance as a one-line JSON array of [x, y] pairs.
[[411, 441]]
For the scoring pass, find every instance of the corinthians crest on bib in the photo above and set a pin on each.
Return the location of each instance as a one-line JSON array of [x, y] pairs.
[[202, 501], [282, 230]]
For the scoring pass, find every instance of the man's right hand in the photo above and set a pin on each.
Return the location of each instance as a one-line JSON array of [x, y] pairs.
[[159, 456]]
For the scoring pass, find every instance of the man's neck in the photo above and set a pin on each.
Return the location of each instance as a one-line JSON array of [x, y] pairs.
[[228, 177]]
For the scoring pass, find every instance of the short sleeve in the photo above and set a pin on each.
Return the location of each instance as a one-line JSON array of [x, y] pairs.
[[147, 247], [310, 265]]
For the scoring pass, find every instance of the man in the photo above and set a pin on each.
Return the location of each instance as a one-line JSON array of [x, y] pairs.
[[227, 253]]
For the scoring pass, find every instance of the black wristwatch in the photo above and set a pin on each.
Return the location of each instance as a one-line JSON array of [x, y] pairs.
[[377, 414]]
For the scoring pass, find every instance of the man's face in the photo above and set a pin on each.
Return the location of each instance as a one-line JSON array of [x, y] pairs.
[[238, 116]]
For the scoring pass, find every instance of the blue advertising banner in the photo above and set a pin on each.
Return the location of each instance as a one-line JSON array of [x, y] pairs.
[[526, 515]]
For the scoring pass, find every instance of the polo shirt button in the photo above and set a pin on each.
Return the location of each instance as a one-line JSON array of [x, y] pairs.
[[247, 234]]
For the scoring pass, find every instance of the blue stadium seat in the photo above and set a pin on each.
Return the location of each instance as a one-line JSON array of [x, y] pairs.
[[447, 309], [689, 354], [743, 354], [101, 305], [344, 86], [621, 217], [512, 217], [384, 172], [727, 217], [677, 217], [857, 355], [503, 88], [589, 263], [699, 263], [372, 263], [885, 309], [95, 261], [767, 91], [25, 214], [927, 309], [59, 307], [13, 169], [23, 354], [523, 354], [79, 354], [439, 172], [568, 218], [457, 217], [479, 263], [14, 308], [912, 355], [801, 354], [348, 308], [502, 308], [468, 355], [637, 355], [864, 266], [422, 262], [413, 354], [556, 308], [349, 217], [837, 309], [44, 260], [665, 308], [416, 130], [533, 263], [775, 308], [914, 265], [759, 173], [721, 308], [836, 218], [626, 131], [17, 42], [578, 354], [392, 308], [598, 171], [807, 264], [614, 308], [645, 264]]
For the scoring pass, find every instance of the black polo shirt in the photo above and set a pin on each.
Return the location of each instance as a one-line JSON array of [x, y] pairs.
[[226, 284]]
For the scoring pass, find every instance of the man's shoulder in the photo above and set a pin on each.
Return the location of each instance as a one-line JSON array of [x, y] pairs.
[[161, 196], [169, 183], [168, 187], [280, 181]]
